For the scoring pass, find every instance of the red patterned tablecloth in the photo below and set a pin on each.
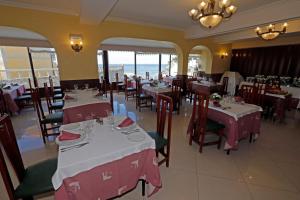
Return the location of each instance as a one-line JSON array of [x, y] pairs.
[[236, 130], [113, 179], [10, 96], [86, 112]]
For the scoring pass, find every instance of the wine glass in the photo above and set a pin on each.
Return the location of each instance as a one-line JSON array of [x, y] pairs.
[[75, 86]]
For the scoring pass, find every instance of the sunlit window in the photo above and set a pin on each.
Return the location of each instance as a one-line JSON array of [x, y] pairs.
[[147, 62]]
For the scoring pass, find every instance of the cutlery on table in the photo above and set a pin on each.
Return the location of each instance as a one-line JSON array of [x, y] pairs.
[[130, 131], [73, 146]]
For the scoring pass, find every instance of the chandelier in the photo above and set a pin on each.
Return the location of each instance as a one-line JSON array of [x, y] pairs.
[[271, 33], [210, 17]]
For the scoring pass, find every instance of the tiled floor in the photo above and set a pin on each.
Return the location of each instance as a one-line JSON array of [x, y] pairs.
[[267, 169]]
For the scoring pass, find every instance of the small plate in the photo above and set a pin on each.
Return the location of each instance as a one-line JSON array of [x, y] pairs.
[[136, 137]]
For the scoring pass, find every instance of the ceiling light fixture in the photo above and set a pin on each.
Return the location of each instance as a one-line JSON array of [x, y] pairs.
[[210, 17], [270, 33]]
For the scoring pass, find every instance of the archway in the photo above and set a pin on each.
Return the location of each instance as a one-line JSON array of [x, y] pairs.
[[26, 55], [200, 60], [135, 57]]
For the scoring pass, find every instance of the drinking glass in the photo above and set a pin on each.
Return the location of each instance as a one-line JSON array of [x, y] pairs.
[[86, 86], [110, 117], [75, 86]]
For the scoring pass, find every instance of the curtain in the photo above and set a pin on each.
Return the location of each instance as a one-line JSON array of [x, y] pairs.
[[278, 60]]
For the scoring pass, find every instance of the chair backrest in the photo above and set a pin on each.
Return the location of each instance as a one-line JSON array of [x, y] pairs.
[[225, 84], [259, 96], [47, 96], [138, 87], [10, 147], [200, 110], [30, 85], [126, 81], [147, 76], [51, 85], [164, 103], [117, 77], [176, 88], [247, 92], [37, 104], [3, 105]]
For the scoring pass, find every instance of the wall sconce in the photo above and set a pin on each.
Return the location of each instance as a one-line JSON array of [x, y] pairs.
[[224, 55], [76, 42]]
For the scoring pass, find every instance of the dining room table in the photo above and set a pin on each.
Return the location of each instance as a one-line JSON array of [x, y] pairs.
[[84, 104], [107, 162], [206, 87], [155, 90], [240, 120], [142, 82], [10, 93], [281, 102]]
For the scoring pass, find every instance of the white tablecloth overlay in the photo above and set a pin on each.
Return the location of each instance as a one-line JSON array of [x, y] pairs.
[[82, 97], [157, 90], [104, 146], [237, 110]]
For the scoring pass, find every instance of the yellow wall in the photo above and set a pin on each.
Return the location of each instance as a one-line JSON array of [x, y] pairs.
[[57, 28]]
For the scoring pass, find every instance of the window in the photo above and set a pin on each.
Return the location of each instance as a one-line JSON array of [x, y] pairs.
[[15, 65], [147, 62], [121, 62], [165, 64], [100, 64], [194, 64], [174, 65]]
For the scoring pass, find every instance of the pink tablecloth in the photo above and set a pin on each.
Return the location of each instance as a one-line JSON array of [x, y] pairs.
[[237, 129], [86, 112], [10, 96], [113, 179]]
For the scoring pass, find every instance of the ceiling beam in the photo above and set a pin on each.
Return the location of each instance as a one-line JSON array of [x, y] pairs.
[[275, 12], [94, 12]]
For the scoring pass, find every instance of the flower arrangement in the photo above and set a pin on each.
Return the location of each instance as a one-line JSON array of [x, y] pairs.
[[215, 97]]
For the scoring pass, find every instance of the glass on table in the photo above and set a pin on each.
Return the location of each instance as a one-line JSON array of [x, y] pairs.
[[76, 86], [110, 117], [86, 85]]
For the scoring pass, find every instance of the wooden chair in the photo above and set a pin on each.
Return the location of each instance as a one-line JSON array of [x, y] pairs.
[[224, 86], [56, 93], [52, 106], [163, 143], [141, 98], [247, 92], [147, 76], [195, 74], [119, 84], [53, 119], [28, 90], [129, 91], [3, 105], [34, 180], [202, 130], [176, 94], [189, 89], [25, 99]]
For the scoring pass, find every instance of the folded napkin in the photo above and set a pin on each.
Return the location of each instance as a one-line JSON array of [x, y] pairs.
[[7, 87], [68, 136], [68, 97], [126, 122]]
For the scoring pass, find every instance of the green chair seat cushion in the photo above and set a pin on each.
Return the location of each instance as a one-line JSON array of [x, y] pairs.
[[213, 126], [37, 179], [160, 142], [57, 105], [58, 96], [23, 98], [56, 117]]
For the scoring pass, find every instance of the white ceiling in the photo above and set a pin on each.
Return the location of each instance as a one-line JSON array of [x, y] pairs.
[[167, 13]]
